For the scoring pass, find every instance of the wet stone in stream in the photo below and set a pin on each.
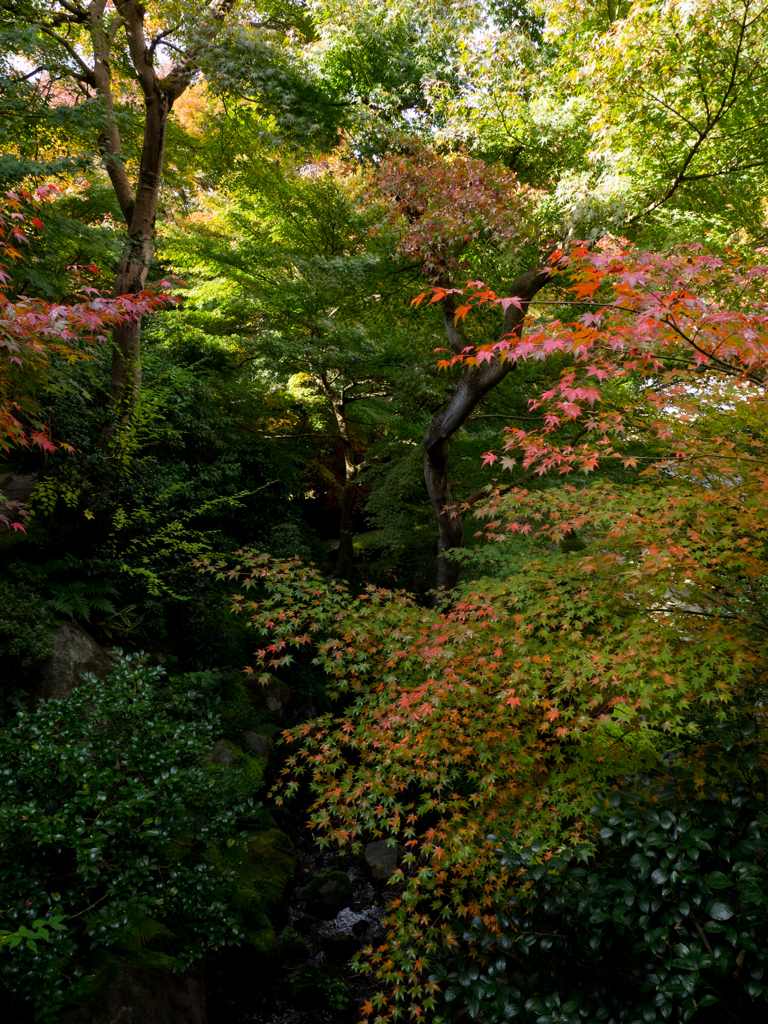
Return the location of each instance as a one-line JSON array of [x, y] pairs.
[[313, 982]]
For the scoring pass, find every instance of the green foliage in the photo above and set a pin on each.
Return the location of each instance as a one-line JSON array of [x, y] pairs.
[[24, 637], [667, 915], [114, 822], [293, 945], [309, 987], [117, 526], [71, 598], [39, 931]]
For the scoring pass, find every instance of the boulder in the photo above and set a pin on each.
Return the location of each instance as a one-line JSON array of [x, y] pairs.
[[222, 753], [381, 859], [328, 893], [277, 696], [74, 653], [137, 996], [257, 743]]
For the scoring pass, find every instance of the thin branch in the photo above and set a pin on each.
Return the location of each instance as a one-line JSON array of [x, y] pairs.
[[87, 74], [505, 416], [74, 9], [32, 74], [701, 932], [372, 394], [159, 39], [98, 901]]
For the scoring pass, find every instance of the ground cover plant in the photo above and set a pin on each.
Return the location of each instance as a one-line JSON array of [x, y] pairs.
[[665, 916]]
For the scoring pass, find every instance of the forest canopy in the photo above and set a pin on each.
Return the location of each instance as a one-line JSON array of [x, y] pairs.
[[382, 405]]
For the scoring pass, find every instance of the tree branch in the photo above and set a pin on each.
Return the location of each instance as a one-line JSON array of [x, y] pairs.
[[86, 74]]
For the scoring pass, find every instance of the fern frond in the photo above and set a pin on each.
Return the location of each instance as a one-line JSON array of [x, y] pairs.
[[139, 933]]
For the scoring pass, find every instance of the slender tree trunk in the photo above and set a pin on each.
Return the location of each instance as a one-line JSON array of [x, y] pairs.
[[474, 384], [139, 209], [345, 563], [104, 21], [138, 252]]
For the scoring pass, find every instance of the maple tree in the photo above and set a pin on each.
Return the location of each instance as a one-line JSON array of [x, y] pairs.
[[553, 673], [687, 329], [450, 207], [38, 337]]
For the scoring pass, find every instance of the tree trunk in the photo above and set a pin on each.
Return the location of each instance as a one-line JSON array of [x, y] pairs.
[[474, 384], [345, 563], [104, 21], [138, 252]]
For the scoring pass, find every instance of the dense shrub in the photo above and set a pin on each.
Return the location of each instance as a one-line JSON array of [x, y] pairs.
[[114, 527], [120, 840], [24, 637], [667, 917]]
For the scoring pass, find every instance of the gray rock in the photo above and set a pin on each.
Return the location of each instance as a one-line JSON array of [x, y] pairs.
[[328, 893], [275, 695], [145, 997], [222, 753], [74, 652], [259, 744], [381, 859]]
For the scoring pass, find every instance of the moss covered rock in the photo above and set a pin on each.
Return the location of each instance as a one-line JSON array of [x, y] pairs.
[[263, 868], [293, 945]]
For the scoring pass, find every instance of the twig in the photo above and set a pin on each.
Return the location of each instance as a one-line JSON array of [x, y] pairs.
[[700, 930], [98, 901]]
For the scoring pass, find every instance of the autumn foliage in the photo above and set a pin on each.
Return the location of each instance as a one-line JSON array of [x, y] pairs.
[[550, 675], [657, 339], [37, 336], [449, 204]]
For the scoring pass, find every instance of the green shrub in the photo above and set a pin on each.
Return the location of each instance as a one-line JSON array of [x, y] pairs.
[[24, 638], [114, 822], [668, 917]]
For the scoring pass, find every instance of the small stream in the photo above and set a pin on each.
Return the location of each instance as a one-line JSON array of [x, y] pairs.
[[312, 980]]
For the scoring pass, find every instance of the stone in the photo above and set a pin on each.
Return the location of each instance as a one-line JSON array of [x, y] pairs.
[[293, 945], [74, 653], [259, 744], [222, 753], [273, 695], [381, 859], [328, 893], [137, 996]]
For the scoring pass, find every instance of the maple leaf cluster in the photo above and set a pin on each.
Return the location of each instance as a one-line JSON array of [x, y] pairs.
[[683, 330], [445, 205]]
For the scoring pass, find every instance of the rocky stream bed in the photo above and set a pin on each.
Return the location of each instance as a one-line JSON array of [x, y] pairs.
[[334, 909]]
